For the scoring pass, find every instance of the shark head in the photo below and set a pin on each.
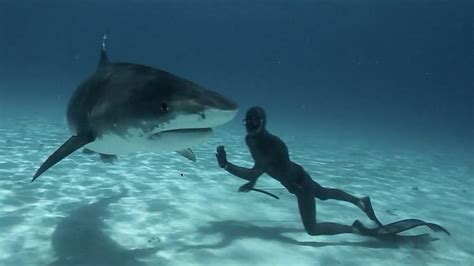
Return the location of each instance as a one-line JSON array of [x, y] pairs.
[[146, 109], [192, 108], [186, 117]]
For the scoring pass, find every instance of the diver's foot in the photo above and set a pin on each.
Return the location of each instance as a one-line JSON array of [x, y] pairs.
[[360, 229], [366, 206]]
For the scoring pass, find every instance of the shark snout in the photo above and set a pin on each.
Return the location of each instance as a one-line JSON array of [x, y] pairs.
[[208, 109], [216, 101]]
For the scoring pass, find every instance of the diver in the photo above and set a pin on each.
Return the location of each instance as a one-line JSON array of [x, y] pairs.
[[271, 157]]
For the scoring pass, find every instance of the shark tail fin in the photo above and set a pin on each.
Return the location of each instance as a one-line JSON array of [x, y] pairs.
[[71, 145]]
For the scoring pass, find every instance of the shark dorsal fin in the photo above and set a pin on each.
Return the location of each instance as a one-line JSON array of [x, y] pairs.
[[104, 59]]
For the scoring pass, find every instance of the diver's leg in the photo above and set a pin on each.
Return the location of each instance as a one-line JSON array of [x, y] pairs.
[[307, 208], [325, 193], [364, 203]]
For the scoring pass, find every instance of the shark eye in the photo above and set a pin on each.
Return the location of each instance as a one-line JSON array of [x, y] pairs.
[[164, 107]]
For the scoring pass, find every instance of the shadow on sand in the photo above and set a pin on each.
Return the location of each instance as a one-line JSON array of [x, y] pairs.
[[79, 239], [231, 231]]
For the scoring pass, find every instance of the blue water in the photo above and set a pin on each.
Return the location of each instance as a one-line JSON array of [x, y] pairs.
[[370, 97]]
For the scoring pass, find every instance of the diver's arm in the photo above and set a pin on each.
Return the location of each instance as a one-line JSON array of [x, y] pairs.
[[245, 173]]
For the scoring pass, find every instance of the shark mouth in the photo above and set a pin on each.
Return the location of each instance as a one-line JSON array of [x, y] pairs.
[[187, 130], [182, 134]]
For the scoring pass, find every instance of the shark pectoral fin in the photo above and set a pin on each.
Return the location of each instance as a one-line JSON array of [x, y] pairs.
[[188, 154], [108, 158], [87, 151], [71, 145]]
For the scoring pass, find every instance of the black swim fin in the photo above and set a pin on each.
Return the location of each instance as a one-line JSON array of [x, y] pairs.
[[71, 145], [370, 211], [407, 224], [396, 227]]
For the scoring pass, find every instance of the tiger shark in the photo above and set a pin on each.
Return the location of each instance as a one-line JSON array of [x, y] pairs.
[[124, 107]]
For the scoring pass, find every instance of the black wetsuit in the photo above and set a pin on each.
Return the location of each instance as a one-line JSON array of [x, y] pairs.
[[271, 157]]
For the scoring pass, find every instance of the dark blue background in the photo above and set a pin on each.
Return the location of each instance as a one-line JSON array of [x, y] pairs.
[[382, 68]]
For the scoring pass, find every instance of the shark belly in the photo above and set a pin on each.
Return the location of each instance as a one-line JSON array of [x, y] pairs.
[[135, 141]]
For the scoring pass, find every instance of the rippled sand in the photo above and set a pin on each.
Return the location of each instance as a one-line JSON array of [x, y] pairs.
[[192, 213]]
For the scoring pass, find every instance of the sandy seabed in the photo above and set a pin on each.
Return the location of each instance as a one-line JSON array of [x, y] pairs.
[[160, 209]]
